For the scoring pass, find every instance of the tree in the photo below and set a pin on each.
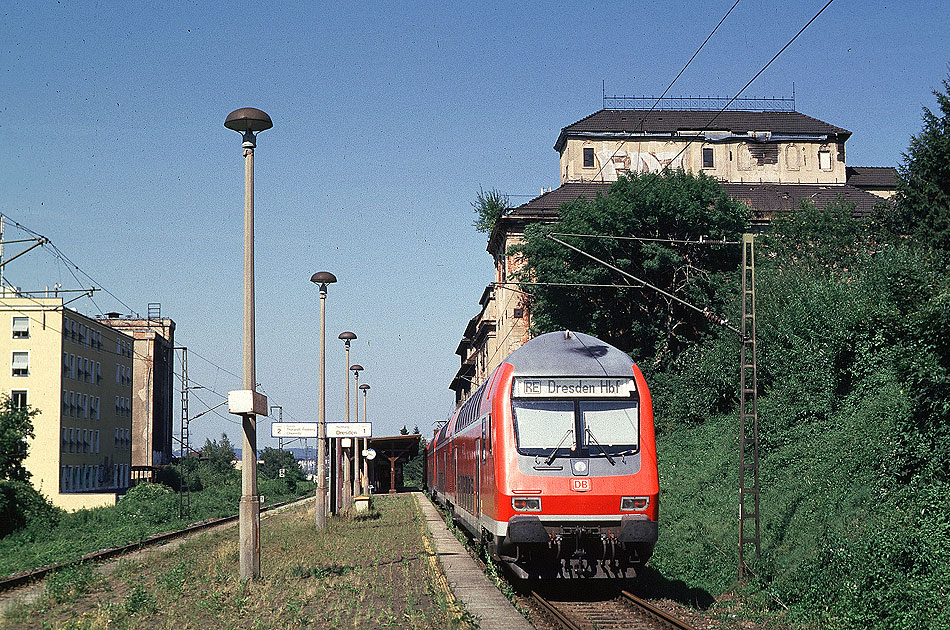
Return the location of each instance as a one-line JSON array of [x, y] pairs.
[[218, 456], [641, 321], [273, 460], [403, 430], [16, 427], [489, 207], [923, 182]]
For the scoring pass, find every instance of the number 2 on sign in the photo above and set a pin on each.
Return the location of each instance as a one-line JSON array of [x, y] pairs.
[[580, 485]]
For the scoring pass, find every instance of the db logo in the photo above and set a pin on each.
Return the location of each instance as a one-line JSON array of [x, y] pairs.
[[580, 485]]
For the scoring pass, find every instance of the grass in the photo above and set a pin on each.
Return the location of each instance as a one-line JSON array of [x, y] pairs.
[[86, 531], [365, 571]]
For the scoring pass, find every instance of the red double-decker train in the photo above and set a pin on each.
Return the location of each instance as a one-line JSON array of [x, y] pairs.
[[551, 462]]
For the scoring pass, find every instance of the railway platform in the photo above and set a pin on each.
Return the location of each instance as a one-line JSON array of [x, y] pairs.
[[466, 580]]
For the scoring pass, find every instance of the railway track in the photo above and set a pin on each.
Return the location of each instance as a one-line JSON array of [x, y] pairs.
[[25, 577], [626, 611]]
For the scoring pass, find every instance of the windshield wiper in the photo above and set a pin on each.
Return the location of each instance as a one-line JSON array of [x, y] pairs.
[[602, 450], [553, 454]]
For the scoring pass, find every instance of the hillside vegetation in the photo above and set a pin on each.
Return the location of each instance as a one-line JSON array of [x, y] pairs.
[[853, 378]]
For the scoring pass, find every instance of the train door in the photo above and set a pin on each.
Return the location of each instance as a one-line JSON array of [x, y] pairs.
[[478, 477]]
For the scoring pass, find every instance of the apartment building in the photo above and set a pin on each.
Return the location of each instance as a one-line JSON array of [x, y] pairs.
[[78, 374]]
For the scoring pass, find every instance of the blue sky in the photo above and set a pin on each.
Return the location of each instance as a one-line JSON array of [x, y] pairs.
[[388, 118]]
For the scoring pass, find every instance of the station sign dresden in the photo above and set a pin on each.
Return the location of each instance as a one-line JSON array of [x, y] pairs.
[[349, 429]]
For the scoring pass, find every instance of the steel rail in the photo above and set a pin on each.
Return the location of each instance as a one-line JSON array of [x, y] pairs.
[[553, 610], [678, 624], [23, 577]]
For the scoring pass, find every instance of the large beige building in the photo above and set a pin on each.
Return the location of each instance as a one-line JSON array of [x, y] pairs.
[[770, 160], [78, 374]]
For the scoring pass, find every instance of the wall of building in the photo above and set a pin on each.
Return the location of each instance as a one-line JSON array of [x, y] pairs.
[[734, 160], [152, 387], [79, 379]]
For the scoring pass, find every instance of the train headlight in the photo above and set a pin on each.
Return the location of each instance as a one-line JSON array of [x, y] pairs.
[[634, 504], [526, 504]]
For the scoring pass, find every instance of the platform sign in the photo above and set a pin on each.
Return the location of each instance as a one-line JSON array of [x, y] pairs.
[[293, 429], [349, 429], [560, 387]]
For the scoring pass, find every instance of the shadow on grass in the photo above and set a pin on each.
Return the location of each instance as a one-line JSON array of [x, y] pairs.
[[368, 516], [651, 584]]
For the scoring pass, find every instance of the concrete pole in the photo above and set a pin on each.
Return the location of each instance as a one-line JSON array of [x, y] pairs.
[[365, 446], [321, 516], [249, 511], [355, 441], [340, 455]]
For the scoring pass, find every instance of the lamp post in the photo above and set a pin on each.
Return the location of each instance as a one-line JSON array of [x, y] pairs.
[[342, 488], [356, 368], [365, 388], [249, 121], [322, 278]]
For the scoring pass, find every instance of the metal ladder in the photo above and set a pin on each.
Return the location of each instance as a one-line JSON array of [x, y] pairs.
[[184, 494], [748, 413]]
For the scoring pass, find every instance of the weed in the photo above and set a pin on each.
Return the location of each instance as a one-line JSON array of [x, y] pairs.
[[140, 600], [71, 582]]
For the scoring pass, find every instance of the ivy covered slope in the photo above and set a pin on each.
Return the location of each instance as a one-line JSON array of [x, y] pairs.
[[854, 383]]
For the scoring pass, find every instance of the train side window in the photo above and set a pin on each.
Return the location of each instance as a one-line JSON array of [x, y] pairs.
[[483, 451]]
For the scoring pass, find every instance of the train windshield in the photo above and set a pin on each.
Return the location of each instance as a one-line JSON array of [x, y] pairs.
[[542, 425], [594, 427], [613, 424]]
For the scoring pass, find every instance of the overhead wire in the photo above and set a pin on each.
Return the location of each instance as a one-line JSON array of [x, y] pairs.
[[668, 87], [70, 265], [733, 99]]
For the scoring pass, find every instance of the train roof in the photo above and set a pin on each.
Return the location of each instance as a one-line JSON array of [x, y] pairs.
[[568, 353]]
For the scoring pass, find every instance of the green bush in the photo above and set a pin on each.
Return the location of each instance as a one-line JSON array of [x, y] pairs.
[[21, 505]]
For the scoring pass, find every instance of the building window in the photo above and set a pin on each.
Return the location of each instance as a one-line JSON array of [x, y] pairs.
[[21, 327], [824, 159], [98, 373], [72, 366], [21, 364], [708, 157], [97, 440], [18, 398], [588, 157], [64, 446]]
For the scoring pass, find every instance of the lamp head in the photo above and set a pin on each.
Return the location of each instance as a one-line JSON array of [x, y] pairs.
[[364, 387], [356, 367], [347, 337], [323, 278], [248, 119]]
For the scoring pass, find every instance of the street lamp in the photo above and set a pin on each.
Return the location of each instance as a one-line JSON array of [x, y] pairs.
[[356, 368], [342, 489], [322, 278], [249, 121], [365, 388]]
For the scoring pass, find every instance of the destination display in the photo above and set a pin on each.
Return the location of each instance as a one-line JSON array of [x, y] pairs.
[[349, 429], [293, 429], [527, 387]]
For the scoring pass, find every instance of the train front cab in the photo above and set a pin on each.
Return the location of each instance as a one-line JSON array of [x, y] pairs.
[[569, 508]]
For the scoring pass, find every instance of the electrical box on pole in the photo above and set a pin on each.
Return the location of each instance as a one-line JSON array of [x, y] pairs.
[[748, 412]]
